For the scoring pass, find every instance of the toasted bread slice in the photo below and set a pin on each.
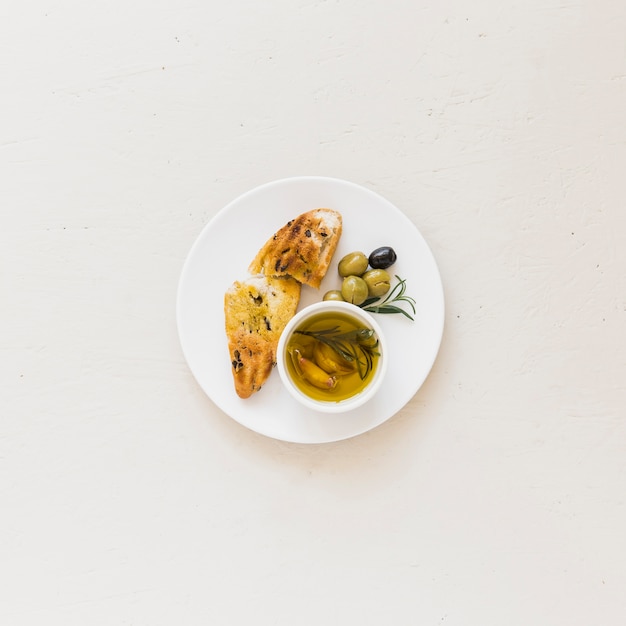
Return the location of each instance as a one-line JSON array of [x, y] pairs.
[[256, 312], [303, 248]]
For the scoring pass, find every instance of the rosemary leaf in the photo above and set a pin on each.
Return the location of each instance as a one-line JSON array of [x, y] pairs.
[[389, 309], [369, 301]]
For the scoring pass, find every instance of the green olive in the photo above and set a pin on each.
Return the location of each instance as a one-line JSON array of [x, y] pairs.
[[353, 264], [370, 342], [354, 289], [377, 281], [335, 294]]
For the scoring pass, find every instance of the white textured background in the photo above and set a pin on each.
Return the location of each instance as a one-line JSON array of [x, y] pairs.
[[496, 497]]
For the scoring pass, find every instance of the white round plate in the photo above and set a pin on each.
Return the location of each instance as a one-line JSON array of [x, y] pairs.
[[221, 255]]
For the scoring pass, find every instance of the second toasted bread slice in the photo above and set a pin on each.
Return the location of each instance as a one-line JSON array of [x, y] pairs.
[[303, 248]]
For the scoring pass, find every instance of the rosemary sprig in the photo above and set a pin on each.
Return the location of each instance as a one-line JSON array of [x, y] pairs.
[[397, 294], [353, 346]]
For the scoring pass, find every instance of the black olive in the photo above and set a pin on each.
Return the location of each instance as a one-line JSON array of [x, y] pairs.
[[382, 258]]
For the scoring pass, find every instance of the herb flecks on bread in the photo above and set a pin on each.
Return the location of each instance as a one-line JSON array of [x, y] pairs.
[[256, 312], [302, 249]]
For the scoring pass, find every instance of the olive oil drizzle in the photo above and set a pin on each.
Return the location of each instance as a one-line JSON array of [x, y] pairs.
[[352, 345]]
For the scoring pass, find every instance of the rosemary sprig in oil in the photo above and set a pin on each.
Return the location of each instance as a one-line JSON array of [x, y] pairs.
[[358, 346]]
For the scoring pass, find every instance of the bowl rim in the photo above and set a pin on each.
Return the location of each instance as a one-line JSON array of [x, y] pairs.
[[339, 406]]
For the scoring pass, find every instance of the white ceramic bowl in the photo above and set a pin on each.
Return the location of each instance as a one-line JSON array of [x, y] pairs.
[[302, 318]]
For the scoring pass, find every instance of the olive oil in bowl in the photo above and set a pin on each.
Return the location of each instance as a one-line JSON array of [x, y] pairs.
[[331, 356]]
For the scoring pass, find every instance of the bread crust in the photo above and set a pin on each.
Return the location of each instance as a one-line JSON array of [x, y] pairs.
[[302, 249]]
